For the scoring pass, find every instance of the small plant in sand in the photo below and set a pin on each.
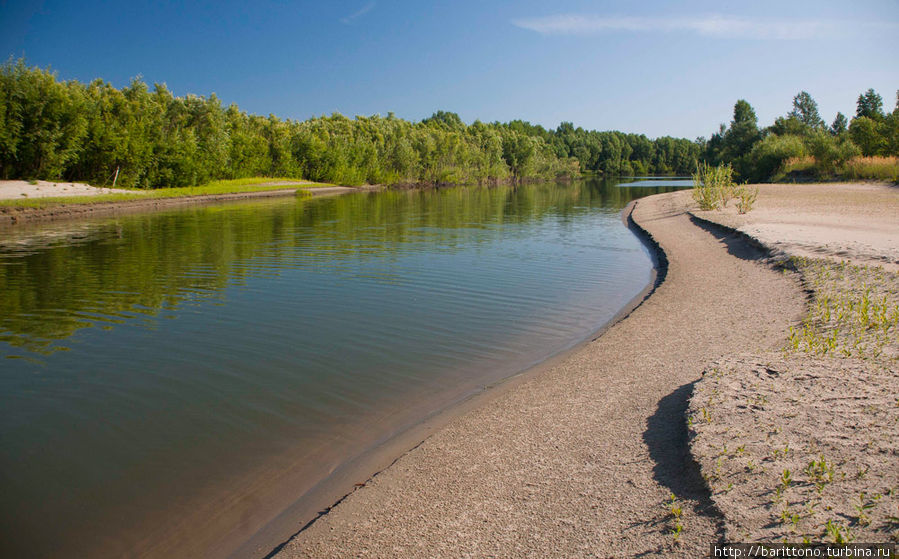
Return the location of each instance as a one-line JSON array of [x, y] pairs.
[[820, 473], [676, 513], [746, 197], [786, 478], [789, 517], [855, 311], [863, 506], [838, 533]]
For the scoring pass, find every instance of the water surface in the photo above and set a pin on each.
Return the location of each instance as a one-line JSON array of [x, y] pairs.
[[171, 381], [655, 182]]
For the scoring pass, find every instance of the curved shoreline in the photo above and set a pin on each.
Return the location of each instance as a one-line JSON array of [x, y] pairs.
[[580, 458], [361, 469]]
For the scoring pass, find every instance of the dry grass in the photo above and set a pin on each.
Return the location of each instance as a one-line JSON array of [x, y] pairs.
[[857, 168], [874, 168]]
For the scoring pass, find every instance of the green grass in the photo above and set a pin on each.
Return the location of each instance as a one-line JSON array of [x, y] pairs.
[[854, 311], [252, 184]]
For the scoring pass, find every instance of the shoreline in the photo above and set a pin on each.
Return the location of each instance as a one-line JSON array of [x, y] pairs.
[[363, 468], [416, 504], [12, 216]]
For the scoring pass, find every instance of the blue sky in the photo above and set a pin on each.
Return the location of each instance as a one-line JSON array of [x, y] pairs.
[[658, 68]]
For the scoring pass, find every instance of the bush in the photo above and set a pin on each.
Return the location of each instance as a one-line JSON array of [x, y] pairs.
[[768, 157], [713, 186], [831, 152]]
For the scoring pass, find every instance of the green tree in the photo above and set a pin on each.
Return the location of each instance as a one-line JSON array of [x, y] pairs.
[[866, 134], [740, 137], [869, 105], [831, 152], [840, 125], [43, 122], [805, 109]]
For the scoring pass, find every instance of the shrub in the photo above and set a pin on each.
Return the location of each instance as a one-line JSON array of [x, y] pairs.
[[769, 156], [831, 152], [713, 186]]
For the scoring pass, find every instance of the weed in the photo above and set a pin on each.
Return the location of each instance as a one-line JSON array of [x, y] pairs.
[[820, 473], [746, 198], [837, 532], [862, 506], [788, 517], [676, 513]]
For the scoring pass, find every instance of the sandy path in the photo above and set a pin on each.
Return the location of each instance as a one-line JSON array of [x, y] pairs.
[[579, 460]]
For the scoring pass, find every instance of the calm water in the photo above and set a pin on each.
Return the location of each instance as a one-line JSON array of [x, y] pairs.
[[169, 382], [656, 182]]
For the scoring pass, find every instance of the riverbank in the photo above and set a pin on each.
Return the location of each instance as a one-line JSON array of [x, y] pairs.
[[52, 201], [581, 459]]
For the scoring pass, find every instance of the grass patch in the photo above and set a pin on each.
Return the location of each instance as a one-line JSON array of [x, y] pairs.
[[252, 184], [854, 311]]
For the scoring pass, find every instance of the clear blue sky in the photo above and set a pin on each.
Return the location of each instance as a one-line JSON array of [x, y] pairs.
[[649, 67]]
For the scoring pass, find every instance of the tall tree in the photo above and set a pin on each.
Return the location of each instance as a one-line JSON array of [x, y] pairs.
[[805, 109], [869, 105], [840, 124], [741, 136]]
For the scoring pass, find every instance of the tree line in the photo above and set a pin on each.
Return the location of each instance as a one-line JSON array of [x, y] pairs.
[[803, 141], [149, 138]]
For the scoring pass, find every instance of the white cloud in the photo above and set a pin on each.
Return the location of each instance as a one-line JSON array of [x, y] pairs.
[[358, 13], [718, 26]]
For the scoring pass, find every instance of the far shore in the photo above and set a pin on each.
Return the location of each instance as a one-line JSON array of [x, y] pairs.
[[76, 200]]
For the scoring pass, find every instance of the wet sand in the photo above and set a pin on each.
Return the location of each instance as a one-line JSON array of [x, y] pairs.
[[581, 459]]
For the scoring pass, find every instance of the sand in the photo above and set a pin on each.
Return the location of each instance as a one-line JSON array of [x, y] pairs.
[[856, 223], [803, 442], [15, 190], [582, 459]]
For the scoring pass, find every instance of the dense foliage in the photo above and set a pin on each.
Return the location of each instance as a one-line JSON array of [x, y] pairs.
[[68, 130], [801, 141]]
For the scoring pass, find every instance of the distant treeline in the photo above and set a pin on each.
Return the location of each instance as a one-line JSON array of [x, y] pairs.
[[801, 142], [57, 130]]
